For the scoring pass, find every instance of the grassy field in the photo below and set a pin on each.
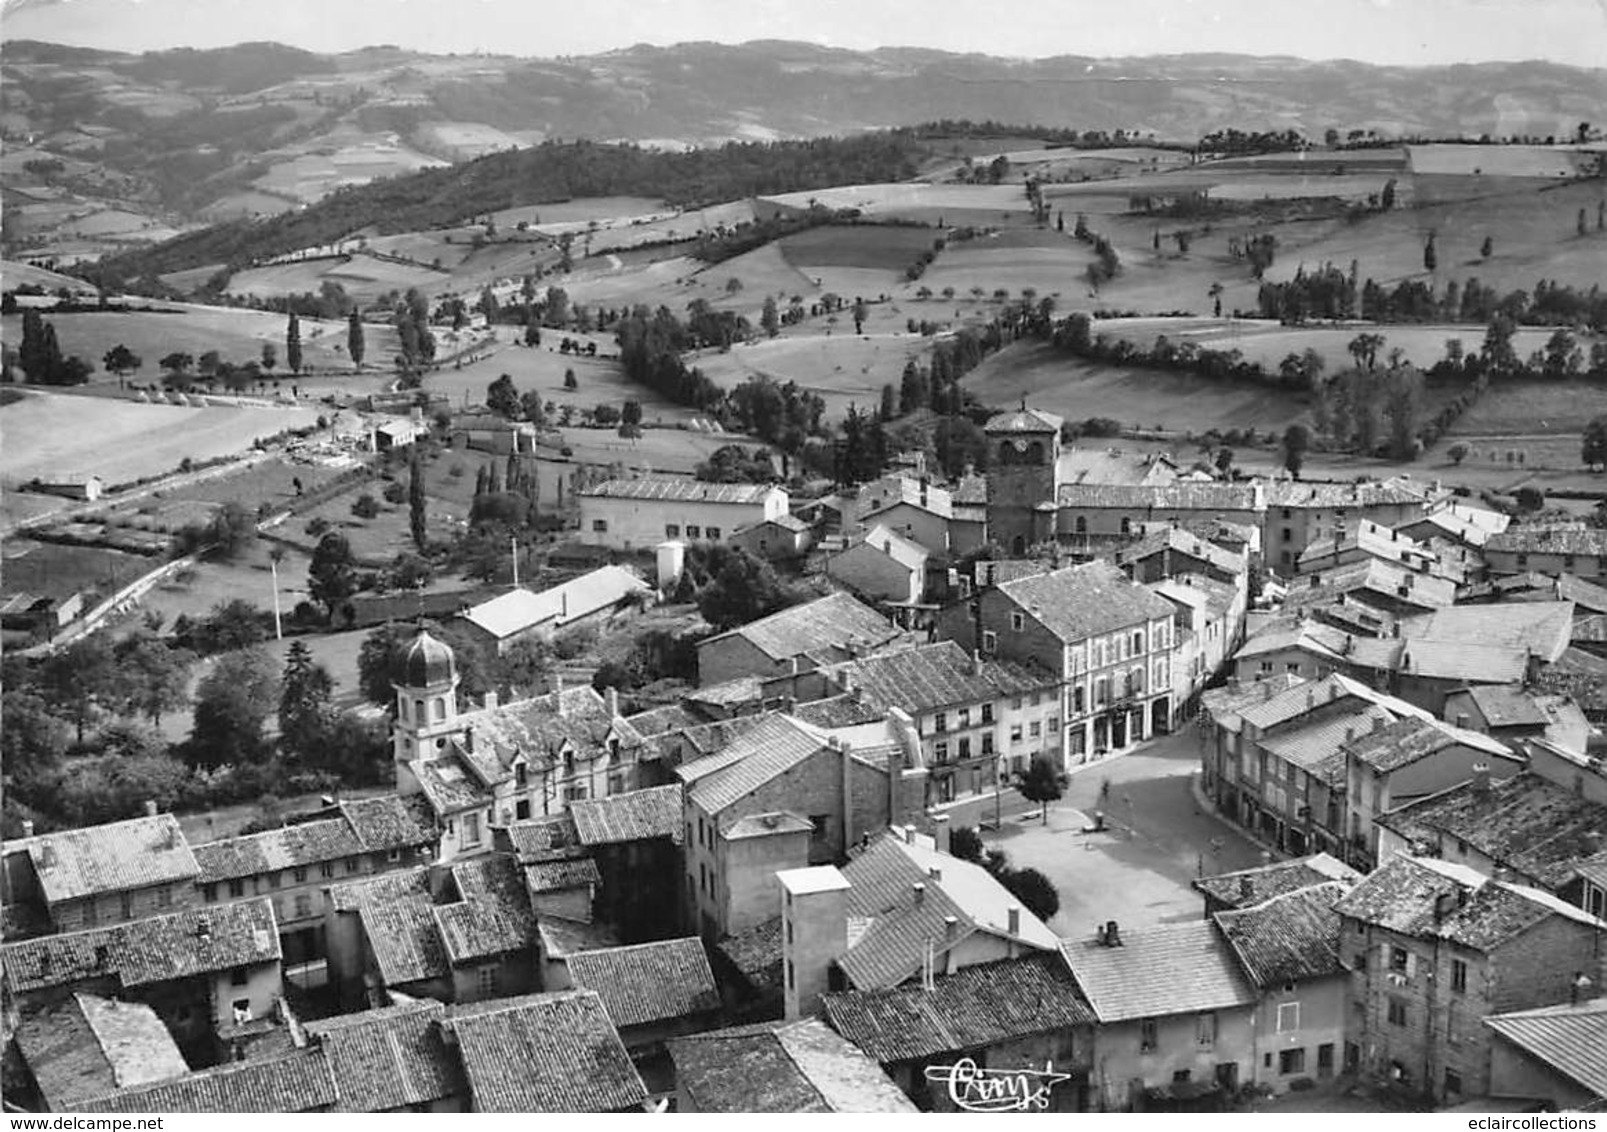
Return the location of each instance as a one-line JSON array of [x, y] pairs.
[[881, 248], [843, 368], [1049, 262], [124, 440], [1535, 409], [47, 568], [364, 277], [237, 336]]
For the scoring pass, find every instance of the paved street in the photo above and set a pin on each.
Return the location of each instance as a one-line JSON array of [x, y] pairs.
[[1157, 840]]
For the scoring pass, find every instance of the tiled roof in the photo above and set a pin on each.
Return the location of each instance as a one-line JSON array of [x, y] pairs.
[[906, 552], [1470, 525], [1246, 887], [1407, 741], [662, 720], [848, 710], [1225, 703], [553, 838], [389, 1058], [681, 491], [545, 1053], [1163, 496], [1371, 576], [1548, 540], [938, 675], [830, 622], [291, 846], [391, 821], [452, 782], [757, 757], [563, 938], [1504, 705], [1403, 895], [493, 917], [1570, 1039], [972, 1008], [540, 729], [116, 857], [1184, 542], [397, 914], [1307, 493], [1543, 627], [1308, 697], [892, 490], [649, 982], [1459, 661], [1024, 420], [554, 876], [891, 927], [1288, 938], [1315, 742], [521, 609], [1180, 968], [1524, 822], [799, 1066], [301, 1082], [141, 952], [1084, 601], [634, 816], [86, 1046]]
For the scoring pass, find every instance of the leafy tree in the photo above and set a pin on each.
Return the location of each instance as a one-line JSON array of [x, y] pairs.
[[233, 624], [177, 362], [366, 506], [741, 588], [770, 318], [1296, 442], [1364, 348], [631, 413], [569, 380], [120, 360], [81, 680], [1224, 460], [34, 739], [232, 704], [861, 312], [502, 398], [1430, 258], [1593, 452], [306, 693], [355, 346], [1041, 785], [1529, 498], [416, 520], [1486, 248], [530, 407], [293, 343], [966, 844], [354, 749], [154, 678], [332, 576], [1457, 452], [377, 658], [1035, 891], [232, 530]]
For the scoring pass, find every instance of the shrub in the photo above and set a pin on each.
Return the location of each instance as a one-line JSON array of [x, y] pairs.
[[395, 492], [366, 507]]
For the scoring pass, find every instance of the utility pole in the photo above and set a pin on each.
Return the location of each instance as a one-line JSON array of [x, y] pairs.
[[513, 542], [278, 625]]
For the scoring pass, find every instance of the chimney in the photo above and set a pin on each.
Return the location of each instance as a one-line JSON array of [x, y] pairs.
[[468, 739], [976, 662], [1350, 733], [941, 833], [1444, 904], [491, 701], [1113, 935], [172, 839], [1013, 920], [1378, 723], [613, 703], [1246, 888], [1481, 779], [150, 807], [920, 893], [1579, 988], [951, 927], [27, 827], [935, 873], [909, 834]]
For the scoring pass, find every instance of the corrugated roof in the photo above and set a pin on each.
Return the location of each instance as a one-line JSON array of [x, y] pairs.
[[637, 815], [681, 490], [1183, 968], [972, 1008], [1570, 1039], [1288, 938], [649, 982], [116, 857], [830, 622], [520, 609], [1084, 601], [799, 1066], [545, 1053]]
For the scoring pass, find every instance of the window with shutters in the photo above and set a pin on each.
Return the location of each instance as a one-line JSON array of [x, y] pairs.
[[1288, 1017], [1205, 1031], [1399, 959], [1146, 1035], [1459, 976], [1396, 1011]]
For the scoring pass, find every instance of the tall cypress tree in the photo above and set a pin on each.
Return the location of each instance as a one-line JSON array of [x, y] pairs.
[[293, 343], [415, 505], [354, 338]]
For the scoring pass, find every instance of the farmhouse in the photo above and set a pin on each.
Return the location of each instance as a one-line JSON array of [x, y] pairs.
[[1093, 514], [1548, 550], [639, 514], [521, 615], [882, 566], [1299, 513], [800, 639], [73, 485], [40, 617], [782, 539]]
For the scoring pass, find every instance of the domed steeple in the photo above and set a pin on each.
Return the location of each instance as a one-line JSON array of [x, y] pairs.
[[425, 663]]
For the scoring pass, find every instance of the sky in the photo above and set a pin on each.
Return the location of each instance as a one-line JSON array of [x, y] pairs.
[[1411, 32]]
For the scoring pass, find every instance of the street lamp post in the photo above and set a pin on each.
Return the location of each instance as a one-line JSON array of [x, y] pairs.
[[273, 564]]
